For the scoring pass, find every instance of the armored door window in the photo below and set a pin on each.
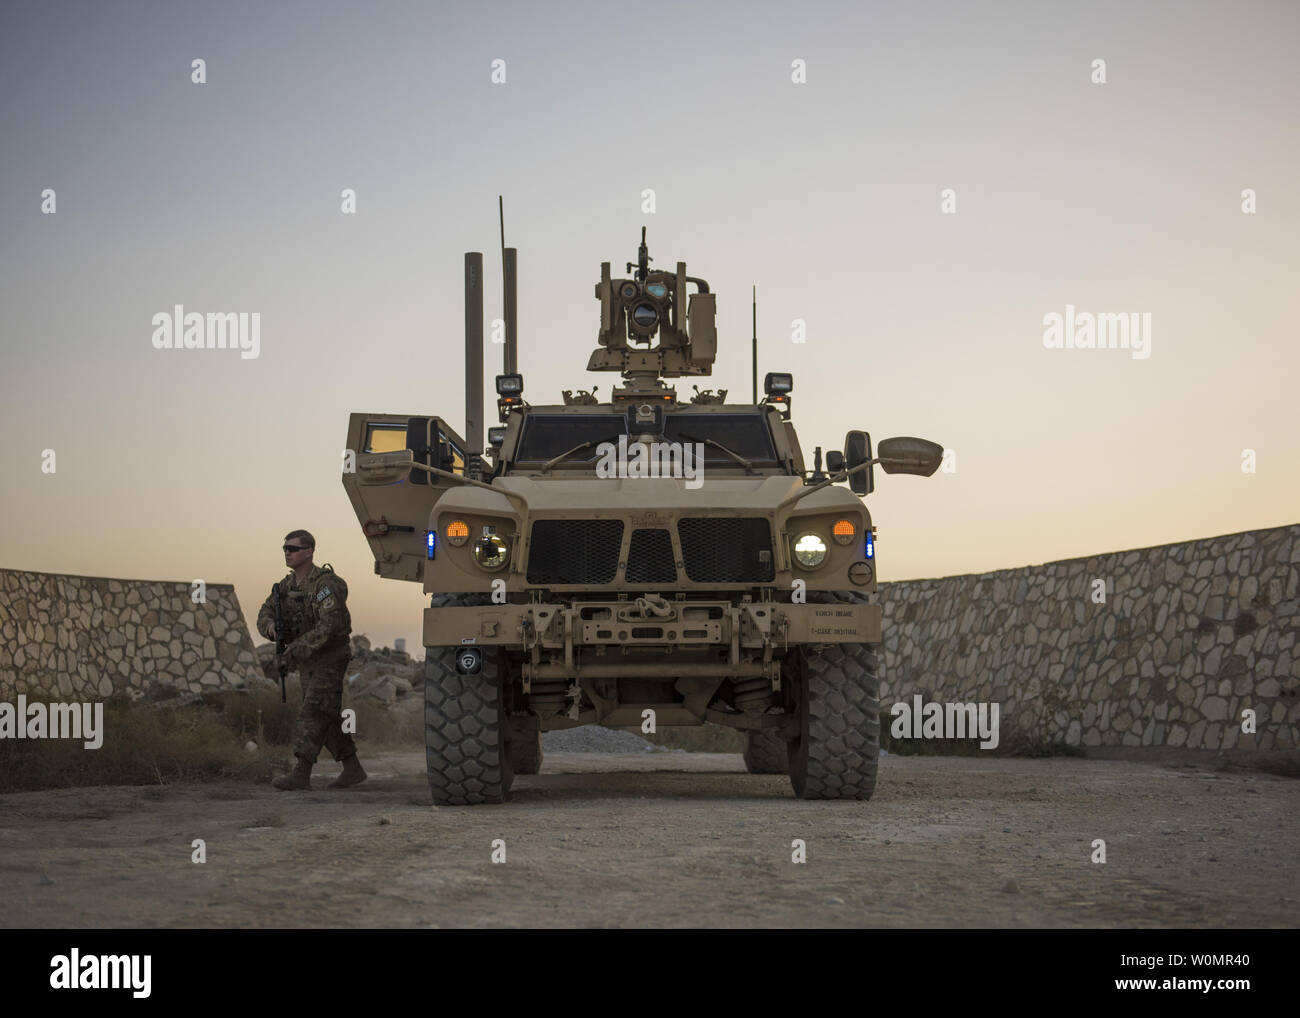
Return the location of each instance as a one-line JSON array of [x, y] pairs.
[[385, 438]]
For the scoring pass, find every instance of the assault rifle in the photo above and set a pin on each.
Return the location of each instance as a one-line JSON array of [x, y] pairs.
[[280, 643]]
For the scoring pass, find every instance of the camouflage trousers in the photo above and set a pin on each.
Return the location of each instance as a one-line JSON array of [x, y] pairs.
[[320, 720]]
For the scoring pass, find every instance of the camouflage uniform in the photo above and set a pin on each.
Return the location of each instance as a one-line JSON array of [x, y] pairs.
[[317, 625]]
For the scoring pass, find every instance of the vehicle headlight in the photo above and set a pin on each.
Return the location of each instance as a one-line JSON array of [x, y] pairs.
[[809, 550], [491, 552]]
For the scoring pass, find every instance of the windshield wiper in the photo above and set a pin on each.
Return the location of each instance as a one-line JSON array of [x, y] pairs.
[[749, 467], [577, 448]]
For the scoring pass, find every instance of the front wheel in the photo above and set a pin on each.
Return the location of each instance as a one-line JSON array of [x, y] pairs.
[[837, 749], [464, 720]]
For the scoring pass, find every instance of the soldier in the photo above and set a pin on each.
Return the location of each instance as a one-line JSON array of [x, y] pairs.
[[314, 612]]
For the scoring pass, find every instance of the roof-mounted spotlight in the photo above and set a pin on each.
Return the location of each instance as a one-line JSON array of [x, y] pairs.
[[778, 383], [496, 436], [510, 389]]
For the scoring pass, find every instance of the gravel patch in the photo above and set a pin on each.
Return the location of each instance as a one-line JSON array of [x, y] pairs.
[[594, 739], [1007, 842]]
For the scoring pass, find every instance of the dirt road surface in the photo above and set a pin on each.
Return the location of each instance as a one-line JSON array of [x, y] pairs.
[[668, 839]]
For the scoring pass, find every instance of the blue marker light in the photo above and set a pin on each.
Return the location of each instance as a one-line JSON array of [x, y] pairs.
[[432, 544], [871, 545]]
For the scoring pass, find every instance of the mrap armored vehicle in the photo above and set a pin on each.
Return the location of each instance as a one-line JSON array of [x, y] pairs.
[[650, 559]]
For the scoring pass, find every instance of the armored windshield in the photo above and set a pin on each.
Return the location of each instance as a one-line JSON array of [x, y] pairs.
[[549, 435], [744, 434]]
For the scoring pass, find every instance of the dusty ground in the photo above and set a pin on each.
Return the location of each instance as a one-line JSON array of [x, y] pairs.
[[669, 839]]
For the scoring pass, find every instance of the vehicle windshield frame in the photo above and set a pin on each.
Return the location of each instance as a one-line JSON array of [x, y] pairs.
[[601, 425]]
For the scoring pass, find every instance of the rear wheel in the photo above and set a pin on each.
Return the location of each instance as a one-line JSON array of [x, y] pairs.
[[765, 753], [837, 749], [464, 721], [525, 753]]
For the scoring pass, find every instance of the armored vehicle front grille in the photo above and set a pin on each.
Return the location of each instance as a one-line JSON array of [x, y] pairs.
[[574, 551], [726, 549], [650, 558]]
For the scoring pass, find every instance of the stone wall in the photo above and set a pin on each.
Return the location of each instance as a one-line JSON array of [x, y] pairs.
[[86, 637], [1188, 637]]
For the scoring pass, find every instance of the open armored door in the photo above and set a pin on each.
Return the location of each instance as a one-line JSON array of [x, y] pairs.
[[395, 516]]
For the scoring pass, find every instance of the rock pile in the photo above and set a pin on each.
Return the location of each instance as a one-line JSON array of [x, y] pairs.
[[383, 674]]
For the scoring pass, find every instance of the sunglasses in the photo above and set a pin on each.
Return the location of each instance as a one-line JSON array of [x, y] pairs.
[[291, 548]]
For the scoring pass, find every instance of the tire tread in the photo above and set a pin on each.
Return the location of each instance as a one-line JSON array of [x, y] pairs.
[[463, 733]]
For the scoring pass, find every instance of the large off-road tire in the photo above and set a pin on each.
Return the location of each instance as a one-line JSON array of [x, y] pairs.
[[837, 686], [526, 753], [464, 723], [765, 753]]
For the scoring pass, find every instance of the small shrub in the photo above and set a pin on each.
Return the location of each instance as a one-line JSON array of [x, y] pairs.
[[143, 744]]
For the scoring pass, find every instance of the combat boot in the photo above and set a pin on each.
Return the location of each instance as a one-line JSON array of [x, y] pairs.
[[353, 774], [298, 778]]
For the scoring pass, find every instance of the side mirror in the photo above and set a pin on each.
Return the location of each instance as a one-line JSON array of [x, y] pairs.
[[910, 456], [384, 467], [857, 450], [834, 461]]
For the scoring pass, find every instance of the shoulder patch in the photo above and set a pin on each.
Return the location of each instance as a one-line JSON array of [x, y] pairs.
[[324, 593]]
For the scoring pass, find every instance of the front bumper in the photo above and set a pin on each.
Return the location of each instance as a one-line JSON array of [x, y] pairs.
[[687, 624]]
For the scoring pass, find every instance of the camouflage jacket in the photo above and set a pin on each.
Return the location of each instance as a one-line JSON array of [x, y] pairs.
[[315, 615]]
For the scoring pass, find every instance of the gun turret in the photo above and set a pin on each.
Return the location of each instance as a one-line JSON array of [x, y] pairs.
[[652, 305]]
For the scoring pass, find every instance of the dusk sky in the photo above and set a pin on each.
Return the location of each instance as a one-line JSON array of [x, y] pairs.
[[1117, 197]]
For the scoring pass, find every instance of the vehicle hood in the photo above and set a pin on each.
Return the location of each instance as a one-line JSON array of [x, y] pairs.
[[579, 496]]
